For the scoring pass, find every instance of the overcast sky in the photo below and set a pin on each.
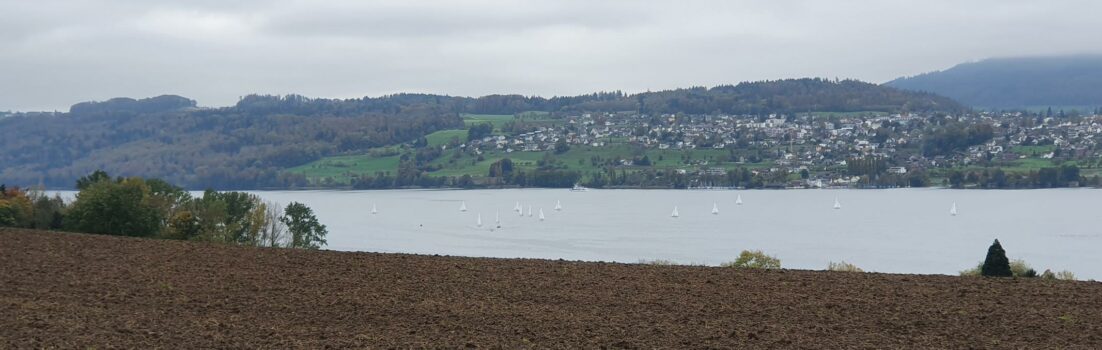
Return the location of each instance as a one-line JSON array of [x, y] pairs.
[[56, 53]]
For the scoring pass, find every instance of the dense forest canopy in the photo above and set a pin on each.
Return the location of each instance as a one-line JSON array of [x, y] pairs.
[[1012, 83], [236, 147], [246, 145]]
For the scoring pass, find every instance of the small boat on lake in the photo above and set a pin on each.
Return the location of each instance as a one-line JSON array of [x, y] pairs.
[[715, 209], [675, 214]]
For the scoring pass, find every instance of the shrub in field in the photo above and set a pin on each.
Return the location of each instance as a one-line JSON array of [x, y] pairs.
[[1062, 275], [843, 266], [1019, 268], [996, 264], [754, 260], [661, 262], [1065, 275]]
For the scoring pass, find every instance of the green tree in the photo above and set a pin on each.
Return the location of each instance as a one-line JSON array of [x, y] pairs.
[[306, 231], [561, 146], [996, 264], [94, 177], [755, 260], [115, 208]]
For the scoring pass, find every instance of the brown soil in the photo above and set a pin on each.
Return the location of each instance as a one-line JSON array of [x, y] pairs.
[[70, 290]]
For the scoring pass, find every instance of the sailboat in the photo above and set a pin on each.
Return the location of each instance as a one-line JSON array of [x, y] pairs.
[[463, 206], [529, 211], [374, 209], [558, 205], [479, 220], [715, 209], [517, 208], [953, 209], [541, 214], [674, 214], [738, 200], [497, 219], [837, 204]]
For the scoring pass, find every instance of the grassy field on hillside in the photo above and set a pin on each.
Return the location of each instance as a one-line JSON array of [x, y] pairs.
[[455, 163]]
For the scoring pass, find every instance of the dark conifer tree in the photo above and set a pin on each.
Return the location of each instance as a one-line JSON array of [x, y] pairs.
[[996, 264]]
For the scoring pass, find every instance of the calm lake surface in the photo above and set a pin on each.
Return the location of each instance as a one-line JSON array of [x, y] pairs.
[[904, 230], [899, 231]]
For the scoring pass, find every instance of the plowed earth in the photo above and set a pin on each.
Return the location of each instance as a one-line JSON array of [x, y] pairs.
[[80, 291]]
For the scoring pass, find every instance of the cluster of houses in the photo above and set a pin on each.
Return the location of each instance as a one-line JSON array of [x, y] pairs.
[[821, 144]]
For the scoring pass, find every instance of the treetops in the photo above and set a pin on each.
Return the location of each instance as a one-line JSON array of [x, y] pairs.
[[154, 208]]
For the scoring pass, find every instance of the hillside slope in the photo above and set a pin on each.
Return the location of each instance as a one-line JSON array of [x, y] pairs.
[[1022, 82], [246, 146], [82, 291], [239, 147]]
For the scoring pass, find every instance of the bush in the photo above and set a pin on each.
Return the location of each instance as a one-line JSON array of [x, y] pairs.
[[972, 272], [660, 262], [843, 266], [1062, 275], [1019, 268], [1065, 275], [754, 260]]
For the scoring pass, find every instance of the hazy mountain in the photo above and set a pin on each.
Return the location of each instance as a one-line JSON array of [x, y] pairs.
[[1023, 82]]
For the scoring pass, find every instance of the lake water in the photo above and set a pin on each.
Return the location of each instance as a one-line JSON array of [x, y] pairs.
[[900, 230], [904, 230]]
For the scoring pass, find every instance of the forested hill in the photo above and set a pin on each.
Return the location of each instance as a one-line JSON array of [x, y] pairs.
[[240, 147], [1012, 83], [246, 145], [762, 97]]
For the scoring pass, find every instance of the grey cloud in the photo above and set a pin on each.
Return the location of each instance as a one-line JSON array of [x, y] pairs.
[[55, 53]]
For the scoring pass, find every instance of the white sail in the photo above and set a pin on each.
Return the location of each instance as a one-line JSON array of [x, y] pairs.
[[715, 209], [374, 209], [953, 209], [479, 219], [541, 214], [517, 208], [558, 205], [675, 214], [837, 204], [738, 200], [529, 210], [497, 218], [463, 206]]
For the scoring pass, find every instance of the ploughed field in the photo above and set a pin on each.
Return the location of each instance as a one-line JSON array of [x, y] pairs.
[[81, 291]]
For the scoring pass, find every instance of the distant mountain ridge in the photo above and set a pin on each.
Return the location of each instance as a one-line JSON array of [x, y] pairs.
[[1018, 82]]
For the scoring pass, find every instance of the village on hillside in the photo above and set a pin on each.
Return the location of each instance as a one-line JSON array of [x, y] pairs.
[[817, 147]]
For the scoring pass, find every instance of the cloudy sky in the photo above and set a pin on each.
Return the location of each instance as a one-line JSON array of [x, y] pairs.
[[56, 53]]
